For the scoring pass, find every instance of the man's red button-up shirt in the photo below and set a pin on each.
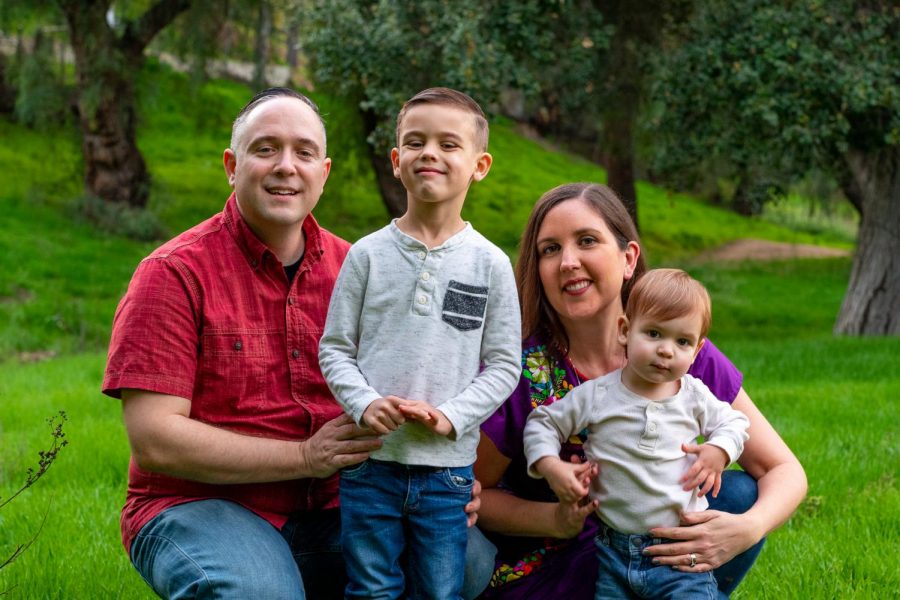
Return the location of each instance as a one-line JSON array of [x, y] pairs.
[[210, 316]]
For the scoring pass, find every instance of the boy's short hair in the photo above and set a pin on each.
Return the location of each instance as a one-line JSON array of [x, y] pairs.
[[665, 294], [455, 99]]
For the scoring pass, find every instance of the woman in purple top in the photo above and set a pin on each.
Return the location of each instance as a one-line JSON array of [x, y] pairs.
[[580, 255]]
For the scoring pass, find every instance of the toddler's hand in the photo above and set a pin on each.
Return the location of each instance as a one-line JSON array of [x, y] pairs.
[[383, 415], [427, 415], [706, 472], [569, 481]]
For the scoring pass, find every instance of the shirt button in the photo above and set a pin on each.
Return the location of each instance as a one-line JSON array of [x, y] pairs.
[[423, 300], [426, 276], [290, 301], [238, 345], [295, 353], [652, 427], [421, 255]]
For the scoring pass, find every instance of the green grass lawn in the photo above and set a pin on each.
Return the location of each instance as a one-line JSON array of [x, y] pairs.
[[60, 279]]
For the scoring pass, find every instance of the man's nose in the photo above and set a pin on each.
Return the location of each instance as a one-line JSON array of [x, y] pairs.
[[285, 164]]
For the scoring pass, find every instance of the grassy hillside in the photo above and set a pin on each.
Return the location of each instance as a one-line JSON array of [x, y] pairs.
[[832, 399]]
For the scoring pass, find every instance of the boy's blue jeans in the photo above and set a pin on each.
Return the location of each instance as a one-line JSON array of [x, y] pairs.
[[626, 573], [404, 530]]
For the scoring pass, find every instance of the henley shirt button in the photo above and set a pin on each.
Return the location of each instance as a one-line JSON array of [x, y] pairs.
[[426, 276], [652, 427], [421, 255], [295, 353], [238, 345], [423, 300]]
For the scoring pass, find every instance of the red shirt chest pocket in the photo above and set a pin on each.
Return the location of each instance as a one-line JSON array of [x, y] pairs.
[[238, 369]]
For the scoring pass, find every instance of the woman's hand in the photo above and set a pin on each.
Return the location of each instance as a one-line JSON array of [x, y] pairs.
[[713, 537], [570, 516]]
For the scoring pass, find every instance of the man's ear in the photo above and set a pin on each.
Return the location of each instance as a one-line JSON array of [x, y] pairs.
[[230, 161], [482, 166]]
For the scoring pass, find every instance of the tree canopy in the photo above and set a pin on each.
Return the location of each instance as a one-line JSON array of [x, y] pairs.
[[788, 86]]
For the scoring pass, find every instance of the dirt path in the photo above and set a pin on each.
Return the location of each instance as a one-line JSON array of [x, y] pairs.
[[750, 249]]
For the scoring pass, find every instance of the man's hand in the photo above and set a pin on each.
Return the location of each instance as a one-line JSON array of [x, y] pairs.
[[383, 415], [706, 471], [569, 481], [427, 415], [474, 504], [338, 444]]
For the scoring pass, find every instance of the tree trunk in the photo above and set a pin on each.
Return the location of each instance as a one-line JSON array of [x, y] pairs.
[[7, 92], [293, 44], [106, 67], [638, 30], [393, 194], [872, 303], [261, 51]]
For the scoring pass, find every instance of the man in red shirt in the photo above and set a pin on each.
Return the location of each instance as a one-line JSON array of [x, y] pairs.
[[235, 438]]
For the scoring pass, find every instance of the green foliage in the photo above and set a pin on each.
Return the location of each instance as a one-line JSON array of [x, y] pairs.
[[388, 51], [780, 85], [42, 100]]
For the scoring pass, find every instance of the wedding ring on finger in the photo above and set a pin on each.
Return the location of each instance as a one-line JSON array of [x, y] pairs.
[[693, 560]]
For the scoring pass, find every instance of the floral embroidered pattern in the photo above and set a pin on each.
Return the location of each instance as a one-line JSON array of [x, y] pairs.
[[548, 379], [525, 566], [548, 384]]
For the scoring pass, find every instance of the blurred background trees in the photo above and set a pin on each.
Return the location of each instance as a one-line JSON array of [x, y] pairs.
[[741, 102]]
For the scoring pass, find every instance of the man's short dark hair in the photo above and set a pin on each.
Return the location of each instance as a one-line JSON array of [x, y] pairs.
[[265, 96]]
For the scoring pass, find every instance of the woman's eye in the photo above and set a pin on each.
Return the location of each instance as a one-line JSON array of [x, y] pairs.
[[548, 249], [588, 240]]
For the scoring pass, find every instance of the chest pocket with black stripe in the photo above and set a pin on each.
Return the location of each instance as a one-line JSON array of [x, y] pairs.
[[464, 305]]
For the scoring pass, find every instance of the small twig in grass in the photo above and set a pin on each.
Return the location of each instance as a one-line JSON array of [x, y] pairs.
[[46, 456], [45, 461]]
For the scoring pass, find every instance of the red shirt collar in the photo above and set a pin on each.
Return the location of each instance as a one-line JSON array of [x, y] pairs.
[[254, 249]]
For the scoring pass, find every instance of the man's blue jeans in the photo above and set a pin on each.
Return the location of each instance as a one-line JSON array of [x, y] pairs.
[[219, 549], [404, 530]]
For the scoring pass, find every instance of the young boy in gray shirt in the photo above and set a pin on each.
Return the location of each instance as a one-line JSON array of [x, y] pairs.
[[421, 344]]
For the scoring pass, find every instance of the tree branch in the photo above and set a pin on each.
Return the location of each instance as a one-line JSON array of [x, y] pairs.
[[139, 33]]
